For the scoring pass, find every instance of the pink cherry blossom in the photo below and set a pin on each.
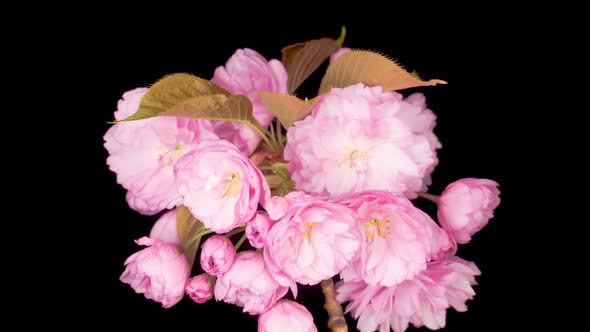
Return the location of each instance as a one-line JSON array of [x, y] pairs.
[[361, 138], [142, 153], [247, 73], [217, 255], [257, 228], [421, 301], [220, 186], [313, 240], [159, 272], [286, 316], [248, 284], [422, 121], [398, 239], [165, 229], [278, 206], [339, 53], [200, 288], [466, 206]]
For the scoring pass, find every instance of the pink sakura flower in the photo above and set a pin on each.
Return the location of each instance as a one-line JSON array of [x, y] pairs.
[[397, 240], [278, 206], [286, 316], [217, 255], [159, 271], [361, 138], [200, 288], [246, 73], [421, 121], [165, 229], [466, 206], [312, 240], [142, 153], [248, 284], [257, 228], [220, 186], [421, 301]]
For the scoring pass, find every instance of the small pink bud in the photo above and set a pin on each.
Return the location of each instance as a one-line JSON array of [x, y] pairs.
[[466, 206], [286, 316], [200, 288], [217, 255], [257, 228]]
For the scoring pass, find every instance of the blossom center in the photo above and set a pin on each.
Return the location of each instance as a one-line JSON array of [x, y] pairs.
[[169, 157], [351, 158], [233, 186], [307, 232], [381, 227]]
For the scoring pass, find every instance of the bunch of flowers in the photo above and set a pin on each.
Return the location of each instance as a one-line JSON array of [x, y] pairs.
[[319, 188]]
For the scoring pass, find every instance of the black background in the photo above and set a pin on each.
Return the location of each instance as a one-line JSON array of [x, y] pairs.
[[480, 112]]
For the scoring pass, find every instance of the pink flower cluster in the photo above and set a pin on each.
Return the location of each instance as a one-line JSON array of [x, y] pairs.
[[143, 153], [356, 161], [422, 300], [412, 275]]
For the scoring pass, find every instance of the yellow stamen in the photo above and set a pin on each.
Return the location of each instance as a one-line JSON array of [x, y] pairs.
[[307, 232], [350, 158], [382, 226], [169, 157], [233, 188]]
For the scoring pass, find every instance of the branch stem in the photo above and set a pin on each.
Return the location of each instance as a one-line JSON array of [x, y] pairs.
[[336, 321], [198, 236], [430, 197], [235, 231], [239, 244], [263, 133]]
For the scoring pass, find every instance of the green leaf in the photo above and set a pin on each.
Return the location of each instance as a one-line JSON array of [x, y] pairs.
[[280, 183], [286, 187], [280, 169], [371, 69], [171, 90], [188, 226], [287, 109], [274, 181], [340, 40], [302, 59]]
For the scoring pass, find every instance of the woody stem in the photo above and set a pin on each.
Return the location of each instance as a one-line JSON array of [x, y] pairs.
[[336, 321]]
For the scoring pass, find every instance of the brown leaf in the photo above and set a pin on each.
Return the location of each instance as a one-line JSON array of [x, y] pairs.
[[185, 95], [171, 90], [188, 226], [235, 108], [287, 109], [302, 59], [371, 69]]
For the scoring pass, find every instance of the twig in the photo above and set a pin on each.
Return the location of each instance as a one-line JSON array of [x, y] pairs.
[[336, 321]]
